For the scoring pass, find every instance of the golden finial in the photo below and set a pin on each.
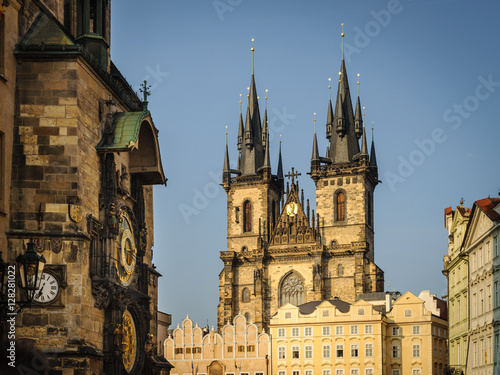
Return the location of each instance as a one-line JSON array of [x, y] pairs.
[[280, 138], [342, 34], [226, 129], [240, 98], [358, 78], [248, 93], [252, 49]]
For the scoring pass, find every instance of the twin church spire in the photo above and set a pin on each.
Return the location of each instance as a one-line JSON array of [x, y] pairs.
[[253, 139], [344, 127]]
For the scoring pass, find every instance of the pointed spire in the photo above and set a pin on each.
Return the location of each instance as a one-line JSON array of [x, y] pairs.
[[339, 112], [248, 128], [373, 157], [267, 162], [358, 118], [315, 153], [364, 146], [240, 129], [280, 164], [227, 168], [264, 123], [329, 119]]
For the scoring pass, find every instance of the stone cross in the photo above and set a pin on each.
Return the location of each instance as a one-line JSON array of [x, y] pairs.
[[293, 175]]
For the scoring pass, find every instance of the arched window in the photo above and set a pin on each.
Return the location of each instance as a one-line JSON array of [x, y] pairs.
[[247, 216], [245, 295], [369, 209], [247, 317], [340, 206], [292, 290], [340, 270]]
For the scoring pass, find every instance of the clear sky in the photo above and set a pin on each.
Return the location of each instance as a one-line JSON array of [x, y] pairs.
[[430, 82]]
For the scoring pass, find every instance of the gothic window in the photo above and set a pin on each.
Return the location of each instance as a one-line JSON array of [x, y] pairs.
[[247, 316], [340, 269], [292, 290], [244, 248], [247, 216], [340, 206], [245, 295]]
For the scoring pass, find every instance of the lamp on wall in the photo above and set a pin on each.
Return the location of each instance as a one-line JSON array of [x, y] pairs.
[[30, 269]]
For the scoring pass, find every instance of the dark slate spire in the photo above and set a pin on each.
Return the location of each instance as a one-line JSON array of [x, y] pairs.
[[252, 155], [358, 118], [264, 123], [373, 157], [280, 165], [315, 153], [364, 147], [267, 159], [329, 119], [344, 142], [227, 167], [240, 129]]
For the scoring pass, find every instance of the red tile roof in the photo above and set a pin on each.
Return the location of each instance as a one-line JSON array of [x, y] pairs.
[[448, 211], [488, 206]]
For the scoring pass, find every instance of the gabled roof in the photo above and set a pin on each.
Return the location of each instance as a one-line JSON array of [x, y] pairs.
[[488, 206]]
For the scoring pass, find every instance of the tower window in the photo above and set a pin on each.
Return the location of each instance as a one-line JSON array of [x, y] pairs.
[[247, 216], [340, 206], [273, 213], [245, 295], [340, 269]]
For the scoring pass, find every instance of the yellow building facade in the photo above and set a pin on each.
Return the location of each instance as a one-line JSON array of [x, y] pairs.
[[363, 338], [456, 270], [239, 349]]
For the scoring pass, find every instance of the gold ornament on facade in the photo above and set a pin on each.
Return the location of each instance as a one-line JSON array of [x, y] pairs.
[[128, 341]]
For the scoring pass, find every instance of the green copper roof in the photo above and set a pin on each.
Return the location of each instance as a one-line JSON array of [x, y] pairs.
[[46, 31], [126, 131]]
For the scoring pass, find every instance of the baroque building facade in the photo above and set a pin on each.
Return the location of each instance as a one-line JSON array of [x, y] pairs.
[[481, 247], [82, 152], [279, 250], [456, 270], [379, 335]]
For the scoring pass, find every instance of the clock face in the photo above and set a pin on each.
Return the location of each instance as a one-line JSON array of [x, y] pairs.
[[128, 341], [49, 289], [126, 250]]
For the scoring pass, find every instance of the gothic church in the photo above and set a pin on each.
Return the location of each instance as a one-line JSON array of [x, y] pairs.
[[278, 250]]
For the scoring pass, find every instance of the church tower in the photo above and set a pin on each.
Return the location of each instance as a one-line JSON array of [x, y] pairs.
[[253, 204], [279, 250], [345, 181]]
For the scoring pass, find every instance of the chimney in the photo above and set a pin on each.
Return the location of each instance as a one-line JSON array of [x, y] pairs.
[[388, 302]]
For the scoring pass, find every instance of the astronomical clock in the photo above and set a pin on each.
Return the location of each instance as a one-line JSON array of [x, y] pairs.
[[126, 249]]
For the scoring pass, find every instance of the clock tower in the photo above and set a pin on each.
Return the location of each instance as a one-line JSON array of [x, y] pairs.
[[85, 157], [279, 250]]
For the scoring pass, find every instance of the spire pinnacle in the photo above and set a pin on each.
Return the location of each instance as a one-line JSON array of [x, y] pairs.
[[280, 164], [315, 152], [240, 128], [267, 162], [226, 158], [252, 49], [364, 147], [342, 35], [373, 158], [329, 88]]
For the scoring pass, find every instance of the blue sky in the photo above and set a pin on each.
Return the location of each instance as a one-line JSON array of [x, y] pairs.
[[429, 79]]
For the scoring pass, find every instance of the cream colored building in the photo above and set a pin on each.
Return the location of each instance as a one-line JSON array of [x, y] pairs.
[[239, 349], [481, 246], [457, 272], [335, 337]]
